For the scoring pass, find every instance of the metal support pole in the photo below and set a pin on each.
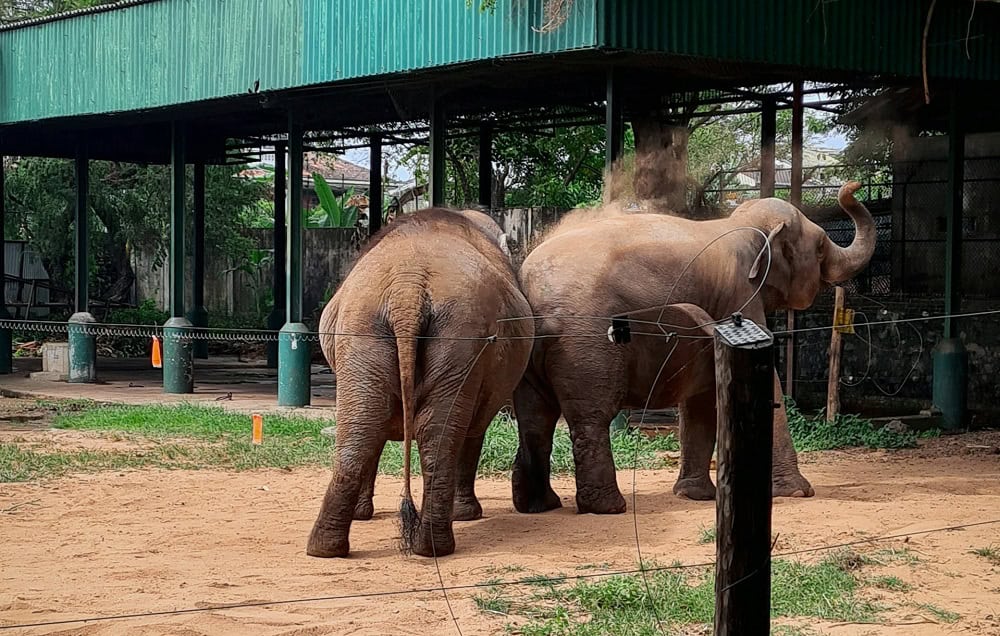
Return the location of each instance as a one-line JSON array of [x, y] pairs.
[[744, 391], [614, 123], [614, 147], [795, 197], [178, 361], [768, 131], [277, 318], [198, 314], [293, 347], [375, 185], [950, 358], [437, 152], [486, 165], [82, 345], [6, 337]]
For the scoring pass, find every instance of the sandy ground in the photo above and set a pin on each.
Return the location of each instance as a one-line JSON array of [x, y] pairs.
[[146, 541]]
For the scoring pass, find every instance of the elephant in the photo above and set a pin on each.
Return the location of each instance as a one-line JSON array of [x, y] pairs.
[[670, 278], [433, 289]]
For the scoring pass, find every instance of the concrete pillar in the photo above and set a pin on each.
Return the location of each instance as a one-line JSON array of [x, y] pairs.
[[768, 131], [276, 319], [437, 154], [614, 123], [375, 185], [486, 165]]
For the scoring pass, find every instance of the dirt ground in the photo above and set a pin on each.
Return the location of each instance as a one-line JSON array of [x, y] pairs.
[[147, 541]]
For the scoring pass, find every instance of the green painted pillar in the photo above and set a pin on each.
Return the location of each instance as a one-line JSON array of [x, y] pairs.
[[6, 338], [950, 358], [276, 319], [198, 314], [294, 357], [178, 362], [375, 196], [82, 347], [614, 147], [614, 122], [437, 152]]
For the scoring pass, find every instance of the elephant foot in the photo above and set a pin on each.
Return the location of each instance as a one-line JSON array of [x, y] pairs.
[[696, 488], [325, 547], [466, 510], [442, 545], [532, 496], [607, 503], [793, 485], [364, 511]]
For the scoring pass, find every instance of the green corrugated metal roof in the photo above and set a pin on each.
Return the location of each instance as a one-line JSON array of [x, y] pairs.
[[169, 52]]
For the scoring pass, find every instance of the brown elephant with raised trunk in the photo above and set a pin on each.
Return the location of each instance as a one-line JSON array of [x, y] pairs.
[[432, 290], [627, 263]]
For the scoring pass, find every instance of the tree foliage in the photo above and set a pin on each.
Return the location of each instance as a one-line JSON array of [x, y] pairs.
[[15, 10], [129, 211]]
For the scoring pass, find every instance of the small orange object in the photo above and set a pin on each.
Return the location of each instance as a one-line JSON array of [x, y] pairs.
[[157, 358], [258, 428]]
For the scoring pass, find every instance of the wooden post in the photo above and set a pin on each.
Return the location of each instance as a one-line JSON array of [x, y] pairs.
[[768, 132], [744, 376], [833, 381]]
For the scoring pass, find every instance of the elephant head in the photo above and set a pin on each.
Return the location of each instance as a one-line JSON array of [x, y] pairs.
[[803, 258]]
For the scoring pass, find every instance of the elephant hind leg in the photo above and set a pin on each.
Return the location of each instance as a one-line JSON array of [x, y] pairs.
[[537, 413], [356, 456], [697, 431], [365, 509]]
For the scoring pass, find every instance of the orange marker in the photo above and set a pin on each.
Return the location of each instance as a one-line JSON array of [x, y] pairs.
[[258, 428], [157, 359]]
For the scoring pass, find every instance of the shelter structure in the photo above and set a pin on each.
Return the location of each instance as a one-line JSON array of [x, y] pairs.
[[180, 83]]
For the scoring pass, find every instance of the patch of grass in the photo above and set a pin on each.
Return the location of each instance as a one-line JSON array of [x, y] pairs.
[[684, 599], [885, 556], [494, 602], [891, 583], [706, 535], [193, 436], [814, 433], [990, 553], [942, 615]]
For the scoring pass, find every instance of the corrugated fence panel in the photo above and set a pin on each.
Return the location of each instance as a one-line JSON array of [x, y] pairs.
[[361, 38], [864, 36], [149, 55]]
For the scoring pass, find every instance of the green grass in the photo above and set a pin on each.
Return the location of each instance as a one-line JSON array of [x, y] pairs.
[[891, 583], [990, 553], [706, 535], [683, 599], [814, 433], [942, 615], [194, 437]]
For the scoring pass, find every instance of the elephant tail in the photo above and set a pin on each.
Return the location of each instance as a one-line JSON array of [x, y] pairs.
[[407, 330]]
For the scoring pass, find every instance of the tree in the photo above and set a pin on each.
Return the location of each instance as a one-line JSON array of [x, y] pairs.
[[129, 211], [16, 10]]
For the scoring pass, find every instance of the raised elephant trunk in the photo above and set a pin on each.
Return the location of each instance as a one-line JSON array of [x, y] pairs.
[[843, 263]]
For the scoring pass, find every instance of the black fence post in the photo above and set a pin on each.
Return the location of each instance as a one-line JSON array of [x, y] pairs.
[[744, 376]]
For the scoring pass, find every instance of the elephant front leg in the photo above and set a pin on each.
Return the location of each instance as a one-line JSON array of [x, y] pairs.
[[537, 415], [467, 506], [786, 480], [697, 433]]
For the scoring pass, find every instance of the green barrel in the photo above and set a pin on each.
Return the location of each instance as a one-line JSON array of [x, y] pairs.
[[294, 362], [950, 382], [82, 348], [178, 359], [199, 318]]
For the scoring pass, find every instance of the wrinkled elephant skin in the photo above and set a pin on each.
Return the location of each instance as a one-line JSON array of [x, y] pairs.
[[426, 297], [690, 273]]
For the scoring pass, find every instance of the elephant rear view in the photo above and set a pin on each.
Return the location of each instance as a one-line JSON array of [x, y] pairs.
[[420, 338]]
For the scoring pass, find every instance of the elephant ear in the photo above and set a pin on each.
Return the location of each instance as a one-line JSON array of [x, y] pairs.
[[754, 270]]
